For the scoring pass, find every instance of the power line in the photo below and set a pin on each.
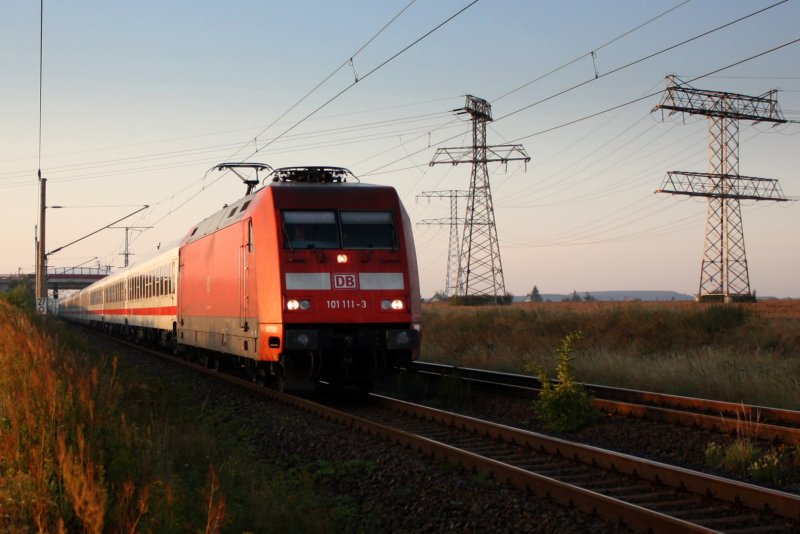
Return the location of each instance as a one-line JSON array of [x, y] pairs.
[[613, 71], [644, 58], [375, 69], [328, 77], [615, 39], [645, 97]]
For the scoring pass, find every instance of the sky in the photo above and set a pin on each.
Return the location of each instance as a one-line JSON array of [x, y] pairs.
[[140, 100]]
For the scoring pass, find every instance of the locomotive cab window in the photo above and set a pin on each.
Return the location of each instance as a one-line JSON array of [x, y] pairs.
[[310, 229], [368, 230]]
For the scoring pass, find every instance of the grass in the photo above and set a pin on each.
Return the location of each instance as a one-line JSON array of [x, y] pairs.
[[745, 456], [87, 445], [726, 352]]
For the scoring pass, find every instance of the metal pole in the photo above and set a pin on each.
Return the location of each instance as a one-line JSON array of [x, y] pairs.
[[41, 258]]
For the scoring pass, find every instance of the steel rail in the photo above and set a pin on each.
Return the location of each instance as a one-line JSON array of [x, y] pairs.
[[770, 424]]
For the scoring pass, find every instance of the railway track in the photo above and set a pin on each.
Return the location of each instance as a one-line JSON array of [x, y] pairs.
[[641, 495], [768, 424]]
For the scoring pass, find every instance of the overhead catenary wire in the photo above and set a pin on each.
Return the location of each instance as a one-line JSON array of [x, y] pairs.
[[330, 100], [369, 73], [328, 77], [397, 126]]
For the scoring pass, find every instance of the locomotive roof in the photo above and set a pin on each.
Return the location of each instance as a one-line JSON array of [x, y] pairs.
[[236, 211]]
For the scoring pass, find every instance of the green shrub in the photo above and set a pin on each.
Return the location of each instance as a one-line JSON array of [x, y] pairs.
[[565, 405]]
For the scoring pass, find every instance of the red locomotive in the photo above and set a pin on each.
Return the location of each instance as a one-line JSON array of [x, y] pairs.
[[311, 280]]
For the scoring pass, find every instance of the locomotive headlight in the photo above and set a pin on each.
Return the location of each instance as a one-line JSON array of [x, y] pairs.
[[395, 304], [341, 258], [298, 304]]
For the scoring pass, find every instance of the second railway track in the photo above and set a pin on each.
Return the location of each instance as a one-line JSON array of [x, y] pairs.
[[641, 494], [768, 424]]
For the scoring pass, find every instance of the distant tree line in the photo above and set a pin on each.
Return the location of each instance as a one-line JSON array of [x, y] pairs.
[[20, 294], [536, 296]]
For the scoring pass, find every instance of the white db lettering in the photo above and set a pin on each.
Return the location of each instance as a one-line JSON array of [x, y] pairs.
[[345, 281]]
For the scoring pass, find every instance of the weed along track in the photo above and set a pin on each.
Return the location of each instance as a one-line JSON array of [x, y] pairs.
[[762, 423]]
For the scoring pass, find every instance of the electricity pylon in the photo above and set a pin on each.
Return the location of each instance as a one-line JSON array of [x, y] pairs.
[[480, 270], [723, 274], [453, 252]]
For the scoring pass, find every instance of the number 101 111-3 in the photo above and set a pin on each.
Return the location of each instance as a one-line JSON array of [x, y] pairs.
[[346, 304]]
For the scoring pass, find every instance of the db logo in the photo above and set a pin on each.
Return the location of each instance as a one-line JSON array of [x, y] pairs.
[[345, 281]]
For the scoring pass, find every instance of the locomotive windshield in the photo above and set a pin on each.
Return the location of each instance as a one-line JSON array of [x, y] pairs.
[[346, 229], [367, 229], [310, 229]]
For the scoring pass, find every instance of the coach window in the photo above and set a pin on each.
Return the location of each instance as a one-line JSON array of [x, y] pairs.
[[368, 230], [310, 229]]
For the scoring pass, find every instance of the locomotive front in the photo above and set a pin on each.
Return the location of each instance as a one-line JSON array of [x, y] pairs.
[[350, 306]]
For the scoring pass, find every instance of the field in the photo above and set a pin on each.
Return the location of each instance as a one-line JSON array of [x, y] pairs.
[[741, 353]]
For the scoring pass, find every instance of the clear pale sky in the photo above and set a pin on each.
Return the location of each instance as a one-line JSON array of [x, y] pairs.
[[141, 98]]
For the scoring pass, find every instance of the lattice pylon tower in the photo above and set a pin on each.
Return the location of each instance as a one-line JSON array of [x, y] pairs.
[[724, 273], [453, 249], [480, 269]]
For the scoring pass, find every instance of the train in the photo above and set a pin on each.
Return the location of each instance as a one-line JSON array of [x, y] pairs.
[[305, 283]]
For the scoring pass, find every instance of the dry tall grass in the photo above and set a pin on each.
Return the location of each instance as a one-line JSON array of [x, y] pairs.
[[733, 353], [51, 475], [69, 459]]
